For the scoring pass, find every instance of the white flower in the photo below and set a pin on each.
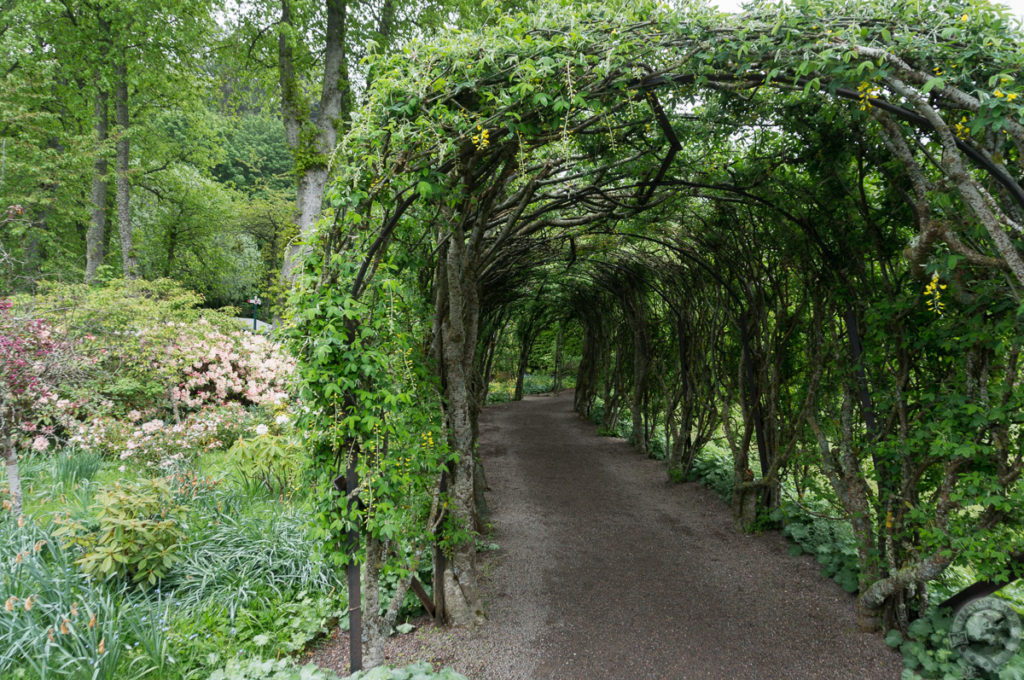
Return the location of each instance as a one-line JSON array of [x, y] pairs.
[[281, 419], [262, 429], [152, 426]]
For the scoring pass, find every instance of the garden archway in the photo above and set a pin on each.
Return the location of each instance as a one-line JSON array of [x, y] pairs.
[[695, 155]]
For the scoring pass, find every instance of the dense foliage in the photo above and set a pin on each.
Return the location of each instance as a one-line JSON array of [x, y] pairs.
[[800, 237], [780, 250]]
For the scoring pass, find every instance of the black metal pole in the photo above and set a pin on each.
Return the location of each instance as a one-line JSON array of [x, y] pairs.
[[355, 610]]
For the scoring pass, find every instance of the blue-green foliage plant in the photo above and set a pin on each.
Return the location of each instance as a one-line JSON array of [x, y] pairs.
[[537, 383], [416, 671], [72, 467], [285, 669], [927, 653], [55, 622], [831, 541], [264, 669], [713, 468]]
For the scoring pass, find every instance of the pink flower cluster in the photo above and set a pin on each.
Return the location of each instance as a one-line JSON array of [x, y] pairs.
[[32, 365], [156, 443], [241, 367]]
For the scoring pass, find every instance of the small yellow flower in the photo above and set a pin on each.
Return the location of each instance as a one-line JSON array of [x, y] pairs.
[[933, 292], [865, 91], [964, 18], [999, 93], [1010, 96], [961, 129]]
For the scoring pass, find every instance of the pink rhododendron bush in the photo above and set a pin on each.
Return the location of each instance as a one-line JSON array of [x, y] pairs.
[[219, 368], [154, 442], [156, 378], [34, 362], [153, 343]]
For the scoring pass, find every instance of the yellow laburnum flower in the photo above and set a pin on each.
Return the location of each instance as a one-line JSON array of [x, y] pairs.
[[932, 292]]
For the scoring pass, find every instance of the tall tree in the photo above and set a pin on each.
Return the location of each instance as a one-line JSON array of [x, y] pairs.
[[312, 71], [312, 131]]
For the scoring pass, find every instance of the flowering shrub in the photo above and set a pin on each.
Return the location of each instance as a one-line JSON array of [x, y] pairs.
[[223, 367], [143, 438], [139, 333], [32, 364]]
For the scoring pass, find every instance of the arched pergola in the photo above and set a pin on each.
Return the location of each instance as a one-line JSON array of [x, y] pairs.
[[612, 139]]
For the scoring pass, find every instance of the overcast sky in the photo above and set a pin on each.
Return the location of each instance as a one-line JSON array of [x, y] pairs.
[[1016, 6]]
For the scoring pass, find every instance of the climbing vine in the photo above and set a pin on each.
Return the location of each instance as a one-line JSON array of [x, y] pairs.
[[815, 173]]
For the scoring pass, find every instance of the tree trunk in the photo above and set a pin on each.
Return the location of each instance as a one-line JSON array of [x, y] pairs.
[[641, 367], [557, 387], [124, 216], [172, 246], [373, 632], [94, 237], [377, 626], [312, 152], [308, 203], [524, 356], [13, 476], [874, 600], [461, 597]]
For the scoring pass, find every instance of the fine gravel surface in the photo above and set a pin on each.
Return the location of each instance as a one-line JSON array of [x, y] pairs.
[[605, 570]]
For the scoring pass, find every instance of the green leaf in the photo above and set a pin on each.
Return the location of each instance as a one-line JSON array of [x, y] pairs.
[[937, 81]]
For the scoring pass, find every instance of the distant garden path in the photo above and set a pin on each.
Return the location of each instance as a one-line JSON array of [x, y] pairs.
[[606, 571]]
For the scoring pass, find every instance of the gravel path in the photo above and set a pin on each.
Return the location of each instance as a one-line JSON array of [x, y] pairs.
[[606, 571]]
